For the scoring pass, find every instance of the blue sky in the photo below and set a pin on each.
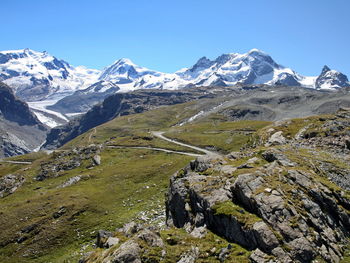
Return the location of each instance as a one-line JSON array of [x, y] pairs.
[[168, 35]]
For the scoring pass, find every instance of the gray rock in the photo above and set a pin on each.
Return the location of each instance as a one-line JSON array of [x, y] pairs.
[[253, 160], [203, 163], [190, 256], [281, 255], [301, 179], [224, 252], [102, 237], [151, 238], [284, 231], [265, 237], [111, 241], [302, 250], [258, 256], [97, 159], [70, 181], [129, 229], [10, 183], [276, 139], [128, 252], [234, 155], [273, 155], [227, 169], [199, 232]]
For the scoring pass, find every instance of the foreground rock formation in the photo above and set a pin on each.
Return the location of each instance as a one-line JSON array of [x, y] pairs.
[[284, 198]]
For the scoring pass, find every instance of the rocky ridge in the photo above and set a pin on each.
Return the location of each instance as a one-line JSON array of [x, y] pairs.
[[283, 198]]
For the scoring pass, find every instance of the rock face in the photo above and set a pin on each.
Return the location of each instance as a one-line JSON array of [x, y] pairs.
[[281, 207], [20, 130], [282, 202]]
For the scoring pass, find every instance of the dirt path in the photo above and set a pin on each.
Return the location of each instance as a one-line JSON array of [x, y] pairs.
[[15, 162], [155, 149], [160, 135]]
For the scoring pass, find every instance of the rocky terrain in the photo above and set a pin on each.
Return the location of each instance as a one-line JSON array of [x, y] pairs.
[[283, 198], [266, 187], [20, 131]]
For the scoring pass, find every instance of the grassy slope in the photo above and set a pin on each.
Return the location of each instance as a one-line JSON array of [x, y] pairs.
[[216, 132], [127, 182], [138, 177]]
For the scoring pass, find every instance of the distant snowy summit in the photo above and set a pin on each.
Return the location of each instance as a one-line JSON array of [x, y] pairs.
[[331, 79], [253, 67], [38, 75]]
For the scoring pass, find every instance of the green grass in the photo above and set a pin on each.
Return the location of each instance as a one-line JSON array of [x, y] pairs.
[[223, 136], [184, 241], [228, 208], [136, 124], [177, 243], [127, 182]]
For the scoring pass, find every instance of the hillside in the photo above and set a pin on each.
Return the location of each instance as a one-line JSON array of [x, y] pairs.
[[55, 203], [20, 130], [241, 102]]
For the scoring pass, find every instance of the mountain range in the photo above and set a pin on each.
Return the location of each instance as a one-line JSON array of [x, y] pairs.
[[56, 90], [38, 75]]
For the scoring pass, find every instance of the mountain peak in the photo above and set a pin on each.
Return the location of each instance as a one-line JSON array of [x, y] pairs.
[[257, 51], [124, 61], [331, 79], [325, 69]]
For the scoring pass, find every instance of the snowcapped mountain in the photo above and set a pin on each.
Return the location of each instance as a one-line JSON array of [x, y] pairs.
[[129, 76], [331, 79], [253, 67], [37, 75], [40, 76], [55, 90]]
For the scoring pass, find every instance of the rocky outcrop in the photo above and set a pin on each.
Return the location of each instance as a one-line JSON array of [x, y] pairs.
[[10, 183], [278, 210], [141, 241], [67, 160], [283, 199]]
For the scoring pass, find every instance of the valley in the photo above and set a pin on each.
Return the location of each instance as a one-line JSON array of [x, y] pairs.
[[92, 203], [214, 163], [55, 203], [174, 131]]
